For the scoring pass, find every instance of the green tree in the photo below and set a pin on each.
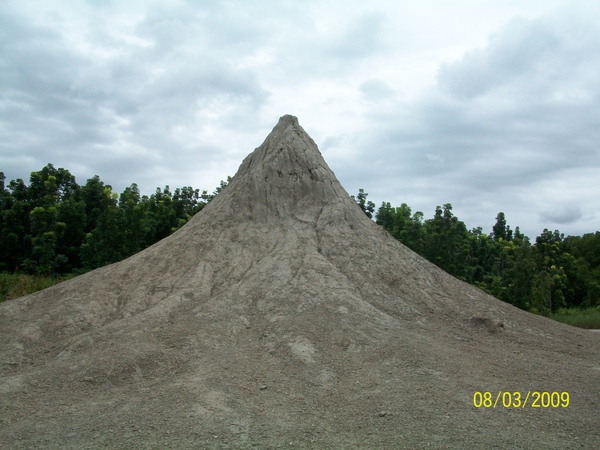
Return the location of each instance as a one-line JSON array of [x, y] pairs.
[[446, 242], [218, 189], [541, 295], [55, 221], [50, 186], [550, 265], [106, 243], [54, 225], [186, 203], [14, 224], [501, 230], [46, 231], [515, 268], [161, 218], [71, 213], [481, 258], [368, 207], [137, 234], [93, 196], [402, 224], [584, 274]]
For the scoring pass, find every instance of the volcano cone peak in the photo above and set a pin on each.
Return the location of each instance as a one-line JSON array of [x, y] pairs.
[[280, 313], [286, 177]]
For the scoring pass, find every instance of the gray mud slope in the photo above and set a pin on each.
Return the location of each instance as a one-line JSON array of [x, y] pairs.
[[281, 316]]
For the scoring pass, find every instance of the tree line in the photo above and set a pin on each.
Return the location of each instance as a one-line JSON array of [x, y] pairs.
[[543, 276], [54, 226]]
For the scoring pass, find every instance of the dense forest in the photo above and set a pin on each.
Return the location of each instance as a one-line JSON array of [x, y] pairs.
[[53, 226], [551, 273]]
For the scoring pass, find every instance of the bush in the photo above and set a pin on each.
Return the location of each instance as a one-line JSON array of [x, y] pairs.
[[18, 285], [583, 318]]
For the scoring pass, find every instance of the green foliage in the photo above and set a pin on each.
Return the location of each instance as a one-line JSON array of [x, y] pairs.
[[46, 231], [554, 273], [402, 224], [18, 285], [445, 242], [54, 226], [94, 199], [368, 207], [501, 230], [583, 269], [583, 318], [107, 242]]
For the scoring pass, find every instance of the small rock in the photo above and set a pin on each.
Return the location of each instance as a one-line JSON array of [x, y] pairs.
[[382, 414], [263, 387]]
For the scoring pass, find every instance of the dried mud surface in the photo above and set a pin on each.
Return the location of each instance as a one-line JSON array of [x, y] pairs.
[[281, 317]]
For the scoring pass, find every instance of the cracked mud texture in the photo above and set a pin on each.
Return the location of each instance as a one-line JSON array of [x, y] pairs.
[[280, 316]]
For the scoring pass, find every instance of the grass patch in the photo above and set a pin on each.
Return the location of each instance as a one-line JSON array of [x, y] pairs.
[[583, 318], [14, 285]]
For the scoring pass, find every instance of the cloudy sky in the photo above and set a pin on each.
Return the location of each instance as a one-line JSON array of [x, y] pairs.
[[488, 105]]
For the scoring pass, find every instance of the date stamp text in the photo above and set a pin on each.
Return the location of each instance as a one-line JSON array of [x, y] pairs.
[[529, 399]]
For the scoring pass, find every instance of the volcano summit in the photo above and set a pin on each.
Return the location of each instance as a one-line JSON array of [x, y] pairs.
[[281, 316]]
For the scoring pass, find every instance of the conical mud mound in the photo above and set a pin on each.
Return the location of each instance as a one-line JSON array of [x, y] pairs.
[[281, 316]]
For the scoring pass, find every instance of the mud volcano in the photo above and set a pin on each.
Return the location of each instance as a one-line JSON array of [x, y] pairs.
[[280, 316]]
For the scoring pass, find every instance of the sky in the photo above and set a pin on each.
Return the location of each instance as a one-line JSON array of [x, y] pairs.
[[487, 105]]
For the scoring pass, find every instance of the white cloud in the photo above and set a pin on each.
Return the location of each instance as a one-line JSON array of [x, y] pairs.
[[375, 90], [488, 106], [565, 215]]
